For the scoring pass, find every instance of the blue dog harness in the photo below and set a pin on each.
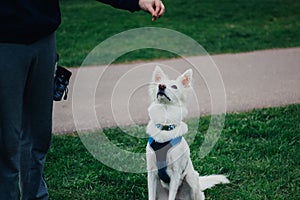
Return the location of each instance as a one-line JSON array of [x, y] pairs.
[[161, 150]]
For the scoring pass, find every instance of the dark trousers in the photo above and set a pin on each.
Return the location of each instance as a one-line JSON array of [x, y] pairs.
[[26, 93]]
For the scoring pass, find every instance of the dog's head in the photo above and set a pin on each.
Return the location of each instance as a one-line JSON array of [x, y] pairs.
[[173, 92]]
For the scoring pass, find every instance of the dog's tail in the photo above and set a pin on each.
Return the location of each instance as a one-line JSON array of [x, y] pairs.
[[206, 182]]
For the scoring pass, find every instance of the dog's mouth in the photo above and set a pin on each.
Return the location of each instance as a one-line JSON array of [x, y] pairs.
[[162, 94]]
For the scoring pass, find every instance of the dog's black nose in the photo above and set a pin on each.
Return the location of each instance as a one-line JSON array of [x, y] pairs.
[[161, 87]]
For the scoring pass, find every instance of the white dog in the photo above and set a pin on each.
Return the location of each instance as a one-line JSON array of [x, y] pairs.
[[171, 174]]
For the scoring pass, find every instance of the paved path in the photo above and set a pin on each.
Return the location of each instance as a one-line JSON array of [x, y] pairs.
[[117, 95]]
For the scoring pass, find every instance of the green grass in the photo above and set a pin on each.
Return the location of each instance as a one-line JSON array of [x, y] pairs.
[[258, 150], [220, 26]]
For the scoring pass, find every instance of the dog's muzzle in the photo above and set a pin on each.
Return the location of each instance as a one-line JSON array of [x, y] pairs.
[[166, 127], [162, 94]]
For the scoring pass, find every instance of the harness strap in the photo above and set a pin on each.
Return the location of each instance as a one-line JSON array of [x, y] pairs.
[[161, 150]]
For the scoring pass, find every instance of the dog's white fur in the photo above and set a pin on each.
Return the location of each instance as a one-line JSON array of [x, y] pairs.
[[167, 109]]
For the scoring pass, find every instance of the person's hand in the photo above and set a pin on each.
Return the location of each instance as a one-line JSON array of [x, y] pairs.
[[155, 7]]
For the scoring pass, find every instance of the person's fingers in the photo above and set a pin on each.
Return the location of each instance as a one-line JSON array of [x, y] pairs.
[[154, 7], [151, 10], [162, 10], [157, 5], [159, 9], [154, 18]]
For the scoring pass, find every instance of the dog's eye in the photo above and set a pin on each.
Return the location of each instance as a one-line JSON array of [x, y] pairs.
[[174, 86]]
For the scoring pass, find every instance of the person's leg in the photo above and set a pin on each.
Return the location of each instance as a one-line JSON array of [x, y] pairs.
[[14, 66], [37, 119]]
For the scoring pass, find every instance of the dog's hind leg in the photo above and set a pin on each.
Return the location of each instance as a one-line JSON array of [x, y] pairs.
[[192, 179], [162, 192]]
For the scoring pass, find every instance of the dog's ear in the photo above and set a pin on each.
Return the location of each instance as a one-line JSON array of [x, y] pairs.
[[186, 78], [158, 75]]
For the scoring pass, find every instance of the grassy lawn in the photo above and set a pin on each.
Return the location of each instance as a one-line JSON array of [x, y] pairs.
[[258, 150], [218, 25]]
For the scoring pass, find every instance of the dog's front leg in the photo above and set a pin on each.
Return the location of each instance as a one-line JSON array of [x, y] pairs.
[[174, 185], [152, 185], [152, 173]]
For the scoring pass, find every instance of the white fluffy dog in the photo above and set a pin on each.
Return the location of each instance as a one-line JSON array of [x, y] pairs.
[[171, 174]]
